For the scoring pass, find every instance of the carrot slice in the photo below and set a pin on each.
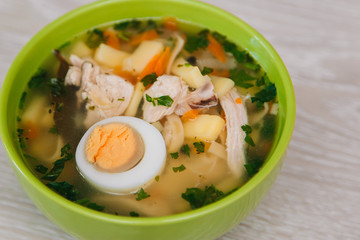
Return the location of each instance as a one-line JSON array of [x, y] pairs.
[[111, 39], [162, 62], [170, 23], [191, 114], [148, 35], [238, 101], [149, 68], [221, 73], [127, 75], [216, 49]]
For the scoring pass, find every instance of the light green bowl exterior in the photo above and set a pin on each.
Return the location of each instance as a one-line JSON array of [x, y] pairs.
[[208, 222]]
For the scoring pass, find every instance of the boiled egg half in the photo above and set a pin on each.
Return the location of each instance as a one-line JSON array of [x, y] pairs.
[[121, 154]]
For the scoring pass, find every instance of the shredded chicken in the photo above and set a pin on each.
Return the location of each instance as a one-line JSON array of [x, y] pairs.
[[236, 116], [203, 97], [106, 95], [168, 85]]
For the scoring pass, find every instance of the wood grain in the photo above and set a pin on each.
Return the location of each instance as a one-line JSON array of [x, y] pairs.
[[317, 194]]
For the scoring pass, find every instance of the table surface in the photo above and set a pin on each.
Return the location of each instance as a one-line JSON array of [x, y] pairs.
[[317, 193]]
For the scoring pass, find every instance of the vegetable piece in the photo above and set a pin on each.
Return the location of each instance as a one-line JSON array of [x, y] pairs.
[[59, 164], [158, 126], [148, 35], [150, 67], [170, 23], [41, 169], [199, 198], [142, 56], [64, 189], [173, 133], [222, 85], [109, 56], [191, 114], [86, 202], [81, 50], [54, 130], [179, 169], [199, 146], [162, 62], [218, 150], [38, 80], [129, 76], [135, 100], [238, 100], [57, 87], [216, 49], [253, 167], [205, 127], [265, 95], [111, 39], [141, 194], [230, 47], [134, 214], [185, 149], [191, 74], [22, 100], [221, 73]]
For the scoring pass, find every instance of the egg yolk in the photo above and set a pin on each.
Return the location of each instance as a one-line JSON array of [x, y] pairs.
[[114, 147]]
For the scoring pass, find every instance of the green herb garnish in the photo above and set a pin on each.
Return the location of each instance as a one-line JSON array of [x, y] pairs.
[[179, 169], [199, 198], [121, 99], [196, 42], [22, 100], [64, 45], [127, 24], [185, 149], [18, 119], [64, 189], [157, 178], [206, 71], [57, 87], [160, 101], [141, 194], [59, 106], [95, 38], [252, 167], [149, 79], [174, 155], [247, 129], [38, 80], [265, 95], [54, 130], [241, 78], [199, 146], [41, 169], [268, 130], [230, 47], [59, 164], [92, 108], [134, 214]]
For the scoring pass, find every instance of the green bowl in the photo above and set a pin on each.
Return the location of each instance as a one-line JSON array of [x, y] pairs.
[[208, 222]]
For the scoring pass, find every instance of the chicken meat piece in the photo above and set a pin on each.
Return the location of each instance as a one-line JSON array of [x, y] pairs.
[[165, 85], [236, 117]]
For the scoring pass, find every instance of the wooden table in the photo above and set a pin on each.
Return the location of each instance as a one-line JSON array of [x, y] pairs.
[[317, 194]]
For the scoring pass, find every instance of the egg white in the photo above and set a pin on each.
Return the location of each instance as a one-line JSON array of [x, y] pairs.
[[135, 178]]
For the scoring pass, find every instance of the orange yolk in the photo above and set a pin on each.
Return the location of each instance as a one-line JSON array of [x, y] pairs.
[[114, 147]]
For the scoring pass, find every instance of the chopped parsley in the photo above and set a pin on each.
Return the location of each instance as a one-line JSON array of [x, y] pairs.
[[134, 214], [241, 78], [22, 100], [230, 47], [179, 169], [92, 108], [41, 169], [95, 38], [86, 202], [59, 107], [64, 45], [174, 155], [57, 87], [166, 100], [38, 80], [199, 146], [265, 95], [253, 167], [247, 129], [21, 139], [121, 99], [141, 194], [206, 71], [64, 189], [252, 66], [149, 79], [268, 130], [196, 42], [157, 178], [59, 164], [54, 130], [18, 119], [127, 24], [199, 198], [30, 157], [185, 149]]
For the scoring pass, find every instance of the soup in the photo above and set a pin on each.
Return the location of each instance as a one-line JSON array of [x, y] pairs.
[[213, 104]]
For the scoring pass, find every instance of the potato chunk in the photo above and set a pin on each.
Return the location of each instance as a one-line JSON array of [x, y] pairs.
[[222, 85], [205, 127], [81, 50], [142, 56], [109, 56], [190, 74]]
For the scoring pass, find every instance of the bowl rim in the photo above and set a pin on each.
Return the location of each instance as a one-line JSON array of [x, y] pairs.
[[17, 161]]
